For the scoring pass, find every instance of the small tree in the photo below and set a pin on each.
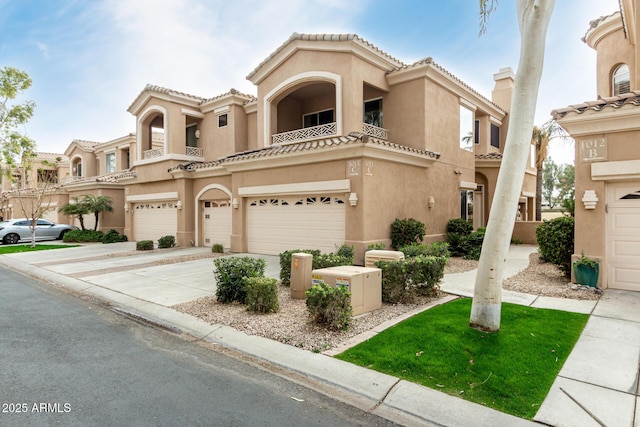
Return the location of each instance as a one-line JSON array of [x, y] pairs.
[[75, 209], [97, 204]]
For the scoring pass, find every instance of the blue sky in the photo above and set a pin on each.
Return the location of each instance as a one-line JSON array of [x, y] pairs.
[[90, 59]]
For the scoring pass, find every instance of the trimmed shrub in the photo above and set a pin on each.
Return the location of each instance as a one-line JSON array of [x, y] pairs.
[[262, 294], [434, 249], [402, 280], [144, 245], [345, 251], [472, 245], [330, 306], [285, 263], [82, 236], [217, 248], [377, 246], [330, 260], [555, 242], [112, 236], [406, 231], [459, 226], [230, 273], [456, 243], [166, 242]]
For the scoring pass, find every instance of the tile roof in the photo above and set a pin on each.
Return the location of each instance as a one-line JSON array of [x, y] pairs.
[[489, 156], [429, 61], [52, 157], [232, 91], [86, 144], [320, 144], [324, 37], [614, 102], [593, 24], [116, 176]]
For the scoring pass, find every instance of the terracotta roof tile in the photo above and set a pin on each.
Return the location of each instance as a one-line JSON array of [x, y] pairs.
[[429, 61], [593, 24], [232, 91], [327, 143], [631, 98], [324, 37]]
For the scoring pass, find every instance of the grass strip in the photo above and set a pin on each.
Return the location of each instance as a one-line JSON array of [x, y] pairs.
[[27, 248], [511, 370]]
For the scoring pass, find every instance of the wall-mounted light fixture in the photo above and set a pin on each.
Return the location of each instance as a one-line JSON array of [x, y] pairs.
[[353, 199], [126, 207], [590, 199], [179, 204], [431, 202], [197, 133], [235, 203]]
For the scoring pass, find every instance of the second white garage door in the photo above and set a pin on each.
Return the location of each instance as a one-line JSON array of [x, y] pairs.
[[154, 220], [277, 224], [623, 236]]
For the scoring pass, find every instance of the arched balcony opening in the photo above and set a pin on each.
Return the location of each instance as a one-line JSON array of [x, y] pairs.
[[152, 134]]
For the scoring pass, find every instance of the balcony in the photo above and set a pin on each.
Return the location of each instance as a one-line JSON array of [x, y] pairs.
[[375, 131], [153, 153], [315, 132], [195, 151]]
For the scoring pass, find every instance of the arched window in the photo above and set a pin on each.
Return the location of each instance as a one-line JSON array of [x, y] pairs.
[[621, 82]]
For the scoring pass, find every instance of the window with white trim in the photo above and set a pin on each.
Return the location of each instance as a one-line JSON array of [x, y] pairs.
[[621, 80], [373, 112], [467, 124], [110, 162], [466, 205], [223, 120]]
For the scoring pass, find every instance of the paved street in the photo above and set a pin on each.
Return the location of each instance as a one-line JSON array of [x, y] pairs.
[[67, 361]]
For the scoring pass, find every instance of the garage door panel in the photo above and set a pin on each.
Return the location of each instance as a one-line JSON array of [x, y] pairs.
[[298, 222], [623, 236], [154, 220]]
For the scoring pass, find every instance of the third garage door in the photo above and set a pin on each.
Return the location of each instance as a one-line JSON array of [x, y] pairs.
[[276, 224], [623, 236]]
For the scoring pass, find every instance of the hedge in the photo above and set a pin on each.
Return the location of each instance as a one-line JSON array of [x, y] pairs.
[[230, 274], [555, 242], [402, 280]]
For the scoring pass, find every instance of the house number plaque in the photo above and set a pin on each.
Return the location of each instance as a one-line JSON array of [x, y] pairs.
[[591, 150]]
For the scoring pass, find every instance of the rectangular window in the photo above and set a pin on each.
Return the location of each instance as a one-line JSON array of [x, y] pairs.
[[476, 132], [373, 112], [466, 205], [317, 118], [466, 129], [192, 141], [495, 136], [223, 120], [110, 162]]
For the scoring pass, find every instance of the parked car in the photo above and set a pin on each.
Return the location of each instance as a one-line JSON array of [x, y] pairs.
[[18, 230]]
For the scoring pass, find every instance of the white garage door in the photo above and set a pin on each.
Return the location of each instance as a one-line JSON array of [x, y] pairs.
[[217, 223], [154, 220], [623, 236], [277, 224]]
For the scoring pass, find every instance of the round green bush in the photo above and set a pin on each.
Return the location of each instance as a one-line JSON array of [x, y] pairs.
[[406, 231], [459, 226], [555, 242]]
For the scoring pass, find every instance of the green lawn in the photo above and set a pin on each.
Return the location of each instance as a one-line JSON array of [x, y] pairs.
[[12, 249], [511, 370]]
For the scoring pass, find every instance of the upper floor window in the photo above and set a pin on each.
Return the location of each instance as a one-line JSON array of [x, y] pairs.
[[476, 132], [110, 162], [621, 80], [373, 112], [495, 136], [223, 120], [466, 128], [318, 118]]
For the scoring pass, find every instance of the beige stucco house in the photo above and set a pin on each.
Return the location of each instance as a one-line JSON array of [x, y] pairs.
[[607, 135], [340, 140]]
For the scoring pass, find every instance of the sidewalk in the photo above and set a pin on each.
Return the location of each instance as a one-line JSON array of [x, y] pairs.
[[601, 374]]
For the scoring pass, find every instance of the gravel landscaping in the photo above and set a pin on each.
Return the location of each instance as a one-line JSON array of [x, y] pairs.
[[292, 325]]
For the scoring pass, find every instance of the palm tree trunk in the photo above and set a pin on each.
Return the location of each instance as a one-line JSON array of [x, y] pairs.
[[539, 194]]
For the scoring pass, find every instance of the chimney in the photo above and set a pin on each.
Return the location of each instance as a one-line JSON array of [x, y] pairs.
[[503, 90]]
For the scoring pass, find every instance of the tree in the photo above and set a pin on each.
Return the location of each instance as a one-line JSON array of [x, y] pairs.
[[97, 204], [550, 173], [533, 20], [567, 188], [75, 209]]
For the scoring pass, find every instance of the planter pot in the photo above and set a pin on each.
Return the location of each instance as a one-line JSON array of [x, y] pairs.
[[586, 275]]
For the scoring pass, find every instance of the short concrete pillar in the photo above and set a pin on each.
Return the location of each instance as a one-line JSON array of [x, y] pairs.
[[301, 266]]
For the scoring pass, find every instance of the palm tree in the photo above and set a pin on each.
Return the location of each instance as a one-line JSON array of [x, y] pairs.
[[76, 209], [97, 204], [541, 136]]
